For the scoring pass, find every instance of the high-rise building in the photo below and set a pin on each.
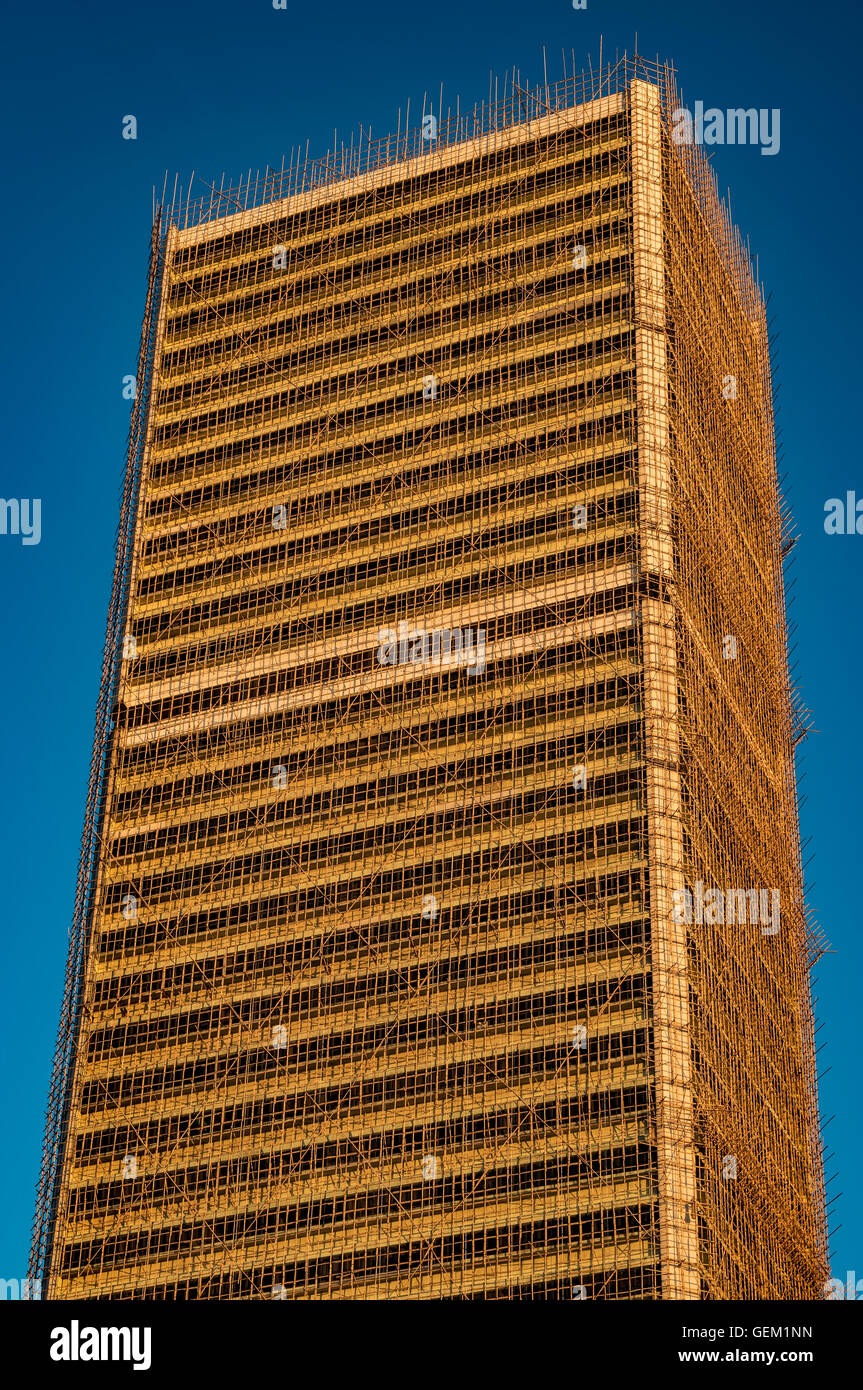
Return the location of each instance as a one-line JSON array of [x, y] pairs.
[[440, 929]]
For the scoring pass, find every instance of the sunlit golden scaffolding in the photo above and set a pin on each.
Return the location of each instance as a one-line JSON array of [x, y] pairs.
[[447, 646]]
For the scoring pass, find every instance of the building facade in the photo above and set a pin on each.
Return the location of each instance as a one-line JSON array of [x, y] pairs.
[[440, 930]]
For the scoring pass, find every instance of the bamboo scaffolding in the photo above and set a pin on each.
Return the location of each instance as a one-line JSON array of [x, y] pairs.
[[366, 998]]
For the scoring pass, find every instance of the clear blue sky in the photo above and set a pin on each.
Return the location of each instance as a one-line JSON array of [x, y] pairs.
[[222, 86]]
